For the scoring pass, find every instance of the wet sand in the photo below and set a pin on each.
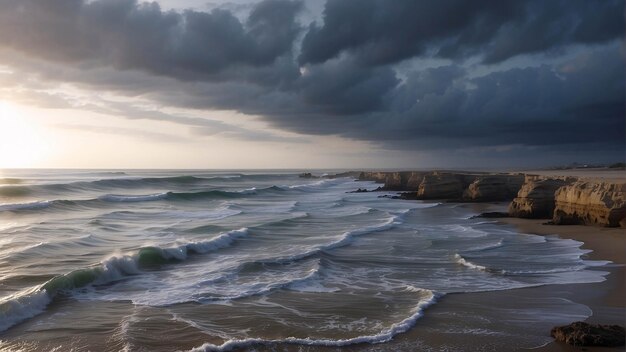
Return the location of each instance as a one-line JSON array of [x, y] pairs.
[[607, 299]]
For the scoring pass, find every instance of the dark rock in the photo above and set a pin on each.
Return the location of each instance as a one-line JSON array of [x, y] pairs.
[[352, 174], [360, 190], [492, 214], [583, 334], [406, 196]]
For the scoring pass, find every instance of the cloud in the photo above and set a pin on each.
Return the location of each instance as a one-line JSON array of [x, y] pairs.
[[130, 132], [349, 75], [126, 34], [379, 32]]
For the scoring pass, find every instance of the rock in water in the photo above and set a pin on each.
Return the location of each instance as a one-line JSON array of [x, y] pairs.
[[583, 334]]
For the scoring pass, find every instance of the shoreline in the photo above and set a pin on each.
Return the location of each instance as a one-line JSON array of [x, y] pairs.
[[606, 299], [435, 329], [591, 199]]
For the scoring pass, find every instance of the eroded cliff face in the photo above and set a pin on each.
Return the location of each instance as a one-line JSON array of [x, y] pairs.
[[396, 180], [591, 203], [449, 185], [494, 188], [565, 200], [535, 199], [439, 185]]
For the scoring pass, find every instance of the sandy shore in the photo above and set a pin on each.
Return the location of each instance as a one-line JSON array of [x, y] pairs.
[[607, 299]]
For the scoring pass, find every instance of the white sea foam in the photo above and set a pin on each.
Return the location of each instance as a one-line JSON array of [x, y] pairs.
[[21, 306], [212, 214], [11, 251], [460, 260], [33, 301], [485, 247], [383, 336], [256, 289], [465, 231], [133, 198], [223, 240], [311, 185], [345, 239]]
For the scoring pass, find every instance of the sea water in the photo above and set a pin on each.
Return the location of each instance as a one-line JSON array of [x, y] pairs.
[[265, 260]]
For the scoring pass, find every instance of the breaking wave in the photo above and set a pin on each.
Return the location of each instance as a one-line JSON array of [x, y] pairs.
[[26, 304], [427, 297]]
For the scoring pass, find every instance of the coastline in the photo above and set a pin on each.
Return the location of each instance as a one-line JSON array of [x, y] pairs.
[[593, 199], [444, 325], [605, 299]]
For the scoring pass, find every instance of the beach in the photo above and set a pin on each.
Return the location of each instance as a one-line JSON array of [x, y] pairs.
[[606, 299]]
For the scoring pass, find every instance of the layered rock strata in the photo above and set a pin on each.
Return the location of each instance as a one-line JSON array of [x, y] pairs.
[[590, 203], [395, 181], [535, 199], [494, 188], [565, 200], [449, 185], [438, 185]]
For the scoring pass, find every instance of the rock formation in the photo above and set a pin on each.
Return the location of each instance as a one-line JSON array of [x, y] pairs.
[[565, 200], [395, 181], [535, 198], [583, 334], [449, 185], [438, 185], [494, 188], [591, 203]]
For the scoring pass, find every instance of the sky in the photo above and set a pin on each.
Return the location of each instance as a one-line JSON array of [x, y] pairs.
[[311, 84]]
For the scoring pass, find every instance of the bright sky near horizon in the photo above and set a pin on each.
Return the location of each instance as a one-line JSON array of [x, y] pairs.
[[312, 84]]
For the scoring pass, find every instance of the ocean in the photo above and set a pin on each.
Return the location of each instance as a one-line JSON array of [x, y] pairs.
[[262, 260]]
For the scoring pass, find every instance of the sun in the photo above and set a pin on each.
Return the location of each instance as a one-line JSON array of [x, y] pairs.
[[21, 145]]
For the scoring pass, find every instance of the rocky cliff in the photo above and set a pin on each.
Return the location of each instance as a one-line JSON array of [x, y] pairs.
[[449, 185], [591, 203], [439, 185], [535, 198], [395, 180], [494, 188], [565, 200]]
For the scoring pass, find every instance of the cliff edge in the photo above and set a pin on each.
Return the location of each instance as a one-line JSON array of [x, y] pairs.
[[564, 199], [535, 199], [591, 203]]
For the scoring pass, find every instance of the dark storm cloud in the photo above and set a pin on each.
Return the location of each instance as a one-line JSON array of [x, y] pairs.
[[126, 34], [380, 32], [344, 76]]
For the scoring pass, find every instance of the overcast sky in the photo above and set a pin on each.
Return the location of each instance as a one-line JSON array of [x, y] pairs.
[[311, 84]]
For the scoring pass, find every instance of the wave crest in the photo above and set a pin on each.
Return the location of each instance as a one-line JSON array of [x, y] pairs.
[[24, 305], [427, 297]]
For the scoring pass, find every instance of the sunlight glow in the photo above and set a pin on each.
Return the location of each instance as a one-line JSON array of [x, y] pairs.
[[21, 145]]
